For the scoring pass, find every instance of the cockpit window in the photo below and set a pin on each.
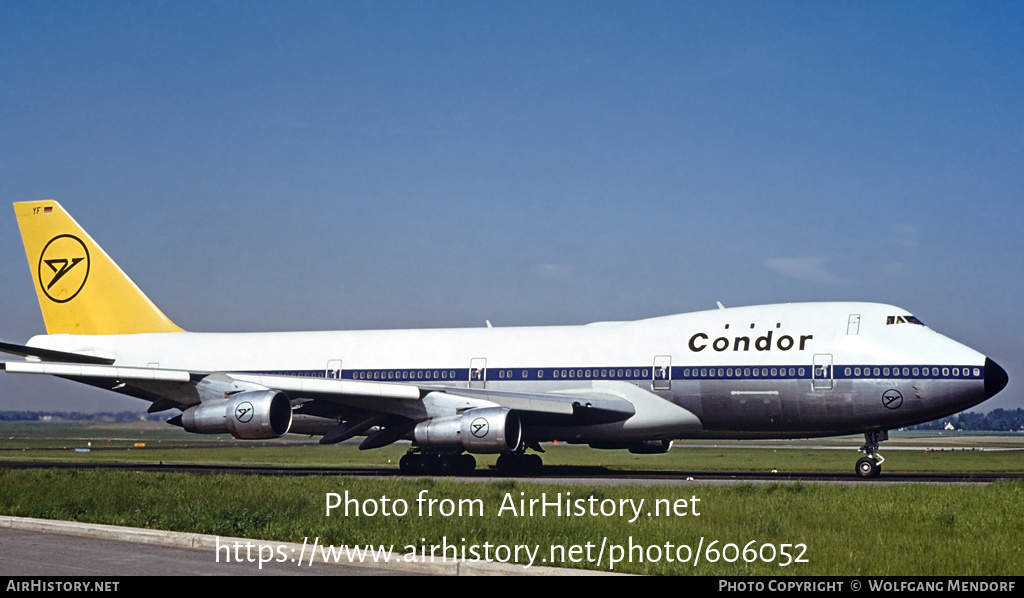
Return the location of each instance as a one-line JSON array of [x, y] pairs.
[[903, 320]]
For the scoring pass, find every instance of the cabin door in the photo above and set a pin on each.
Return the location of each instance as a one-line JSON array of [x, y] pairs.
[[821, 373]]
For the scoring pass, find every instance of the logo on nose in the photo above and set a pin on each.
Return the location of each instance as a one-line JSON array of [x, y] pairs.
[[892, 398]]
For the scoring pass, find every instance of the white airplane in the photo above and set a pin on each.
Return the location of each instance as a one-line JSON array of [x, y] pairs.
[[772, 371]]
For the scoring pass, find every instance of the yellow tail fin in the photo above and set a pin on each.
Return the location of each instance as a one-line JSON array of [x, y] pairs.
[[81, 290]]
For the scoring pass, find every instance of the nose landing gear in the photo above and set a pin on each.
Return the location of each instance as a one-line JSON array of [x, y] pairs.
[[871, 465]]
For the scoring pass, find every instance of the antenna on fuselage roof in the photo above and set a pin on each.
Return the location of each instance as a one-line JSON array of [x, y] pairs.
[[720, 306]]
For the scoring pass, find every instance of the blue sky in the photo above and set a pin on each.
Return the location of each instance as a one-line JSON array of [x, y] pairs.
[[309, 165]]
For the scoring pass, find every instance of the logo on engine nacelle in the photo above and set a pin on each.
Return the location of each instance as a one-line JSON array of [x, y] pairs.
[[243, 412], [479, 427]]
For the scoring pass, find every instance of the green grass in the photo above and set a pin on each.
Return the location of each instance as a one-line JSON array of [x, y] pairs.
[[726, 457], [847, 529], [109, 442]]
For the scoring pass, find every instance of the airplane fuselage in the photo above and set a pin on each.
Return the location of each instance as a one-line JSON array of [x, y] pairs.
[[811, 369]]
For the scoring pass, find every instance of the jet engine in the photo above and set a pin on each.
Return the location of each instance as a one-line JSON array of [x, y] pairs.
[[248, 415], [480, 430]]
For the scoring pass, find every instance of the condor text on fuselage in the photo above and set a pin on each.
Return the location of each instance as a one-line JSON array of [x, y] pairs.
[[699, 342]]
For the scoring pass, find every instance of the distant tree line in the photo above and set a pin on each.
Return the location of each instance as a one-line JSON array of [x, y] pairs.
[[998, 420], [76, 416]]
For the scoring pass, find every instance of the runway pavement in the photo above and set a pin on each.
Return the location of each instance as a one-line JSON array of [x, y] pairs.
[[42, 547]]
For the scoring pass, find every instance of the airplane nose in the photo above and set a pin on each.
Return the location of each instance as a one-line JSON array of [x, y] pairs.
[[995, 378]]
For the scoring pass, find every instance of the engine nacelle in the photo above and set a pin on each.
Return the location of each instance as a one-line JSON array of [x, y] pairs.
[[249, 415], [481, 430]]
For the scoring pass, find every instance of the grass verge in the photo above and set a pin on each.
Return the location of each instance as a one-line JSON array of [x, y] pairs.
[[847, 530]]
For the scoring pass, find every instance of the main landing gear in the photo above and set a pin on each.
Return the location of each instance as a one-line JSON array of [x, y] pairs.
[[871, 465], [414, 463], [418, 462], [519, 463]]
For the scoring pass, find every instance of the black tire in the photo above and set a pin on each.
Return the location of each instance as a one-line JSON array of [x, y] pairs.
[[466, 464], [507, 464], [532, 464], [868, 467], [407, 464]]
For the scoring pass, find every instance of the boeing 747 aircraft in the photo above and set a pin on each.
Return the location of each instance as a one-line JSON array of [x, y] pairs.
[[771, 371]]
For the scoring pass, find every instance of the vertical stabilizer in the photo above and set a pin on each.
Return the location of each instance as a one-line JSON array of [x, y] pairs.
[[80, 289]]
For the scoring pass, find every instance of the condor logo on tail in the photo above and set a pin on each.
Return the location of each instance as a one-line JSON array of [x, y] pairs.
[[63, 268]]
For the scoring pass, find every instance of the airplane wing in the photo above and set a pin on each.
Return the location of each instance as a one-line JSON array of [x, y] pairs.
[[379, 403], [51, 355]]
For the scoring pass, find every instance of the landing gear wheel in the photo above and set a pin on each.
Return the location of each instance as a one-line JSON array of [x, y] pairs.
[[407, 464], [443, 464], [871, 465], [868, 467], [506, 463], [519, 464], [532, 464], [466, 464]]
